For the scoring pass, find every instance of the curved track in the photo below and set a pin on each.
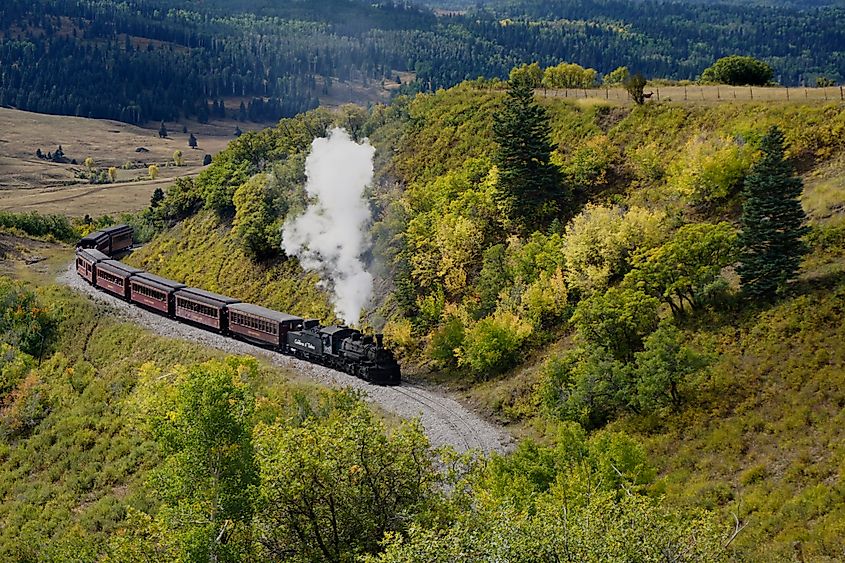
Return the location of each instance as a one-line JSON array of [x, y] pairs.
[[445, 421]]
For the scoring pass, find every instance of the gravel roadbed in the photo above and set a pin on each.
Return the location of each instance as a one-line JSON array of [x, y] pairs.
[[445, 420]]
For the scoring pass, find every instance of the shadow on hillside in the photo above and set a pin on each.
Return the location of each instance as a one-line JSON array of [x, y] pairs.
[[819, 282], [736, 311]]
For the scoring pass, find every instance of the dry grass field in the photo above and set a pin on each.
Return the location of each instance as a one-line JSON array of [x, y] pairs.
[[695, 94], [28, 183]]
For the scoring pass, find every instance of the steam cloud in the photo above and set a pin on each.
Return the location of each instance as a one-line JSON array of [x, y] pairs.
[[330, 236]]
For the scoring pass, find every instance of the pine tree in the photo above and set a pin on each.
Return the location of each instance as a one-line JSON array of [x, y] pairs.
[[157, 198], [772, 222], [530, 186]]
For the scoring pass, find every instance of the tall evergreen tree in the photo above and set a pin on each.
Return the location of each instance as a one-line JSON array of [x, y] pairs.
[[531, 187], [772, 222]]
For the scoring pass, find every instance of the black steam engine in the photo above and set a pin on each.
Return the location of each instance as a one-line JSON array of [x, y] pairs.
[[338, 347], [348, 350]]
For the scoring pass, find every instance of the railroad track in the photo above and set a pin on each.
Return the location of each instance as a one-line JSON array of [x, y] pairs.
[[469, 437]]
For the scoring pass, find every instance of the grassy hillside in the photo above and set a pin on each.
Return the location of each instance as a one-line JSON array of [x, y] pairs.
[[75, 453], [473, 302]]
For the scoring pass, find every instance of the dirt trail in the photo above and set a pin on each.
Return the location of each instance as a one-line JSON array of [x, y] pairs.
[[445, 420]]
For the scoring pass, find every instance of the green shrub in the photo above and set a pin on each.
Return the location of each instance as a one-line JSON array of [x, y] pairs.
[[601, 241], [494, 343], [24, 322], [57, 227], [446, 341], [616, 321], [710, 169]]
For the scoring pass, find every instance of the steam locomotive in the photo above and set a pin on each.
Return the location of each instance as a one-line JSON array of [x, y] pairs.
[[339, 347]]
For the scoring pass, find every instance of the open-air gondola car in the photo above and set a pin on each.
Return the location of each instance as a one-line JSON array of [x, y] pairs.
[[113, 276], [154, 292], [259, 324], [202, 307], [86, 260]]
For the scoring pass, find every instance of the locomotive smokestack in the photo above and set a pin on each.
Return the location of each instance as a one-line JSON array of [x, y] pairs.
[[379, 340]]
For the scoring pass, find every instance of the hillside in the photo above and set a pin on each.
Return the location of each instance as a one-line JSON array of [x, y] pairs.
[[754, 428], [77, 456]]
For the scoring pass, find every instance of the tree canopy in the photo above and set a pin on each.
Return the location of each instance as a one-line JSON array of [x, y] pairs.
[[739, 70]]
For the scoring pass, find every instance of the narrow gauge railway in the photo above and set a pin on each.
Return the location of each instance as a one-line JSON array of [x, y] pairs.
[[338, 347]]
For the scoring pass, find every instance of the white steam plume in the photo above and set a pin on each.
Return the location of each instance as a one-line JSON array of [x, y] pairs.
[[332, 233]]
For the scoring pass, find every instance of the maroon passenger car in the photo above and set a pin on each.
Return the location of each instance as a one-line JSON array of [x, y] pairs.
[[202, 307], [85, 261], [113, 276], [261, 325], [154, 292]]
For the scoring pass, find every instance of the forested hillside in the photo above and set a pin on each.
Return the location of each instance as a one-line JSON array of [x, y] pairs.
[[161, 59], [620, 308]]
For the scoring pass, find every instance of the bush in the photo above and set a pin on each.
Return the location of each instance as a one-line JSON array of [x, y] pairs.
[[255, 225], [589, 165], [58, 227], [582, 386], [24, 323], [685, 269], [601, 241], [545, 301], [738, 70], [493, 344], [617, 321], [711, 170], [446, 341]]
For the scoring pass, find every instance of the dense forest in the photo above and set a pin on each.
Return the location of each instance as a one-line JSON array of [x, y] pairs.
[[159, 59]]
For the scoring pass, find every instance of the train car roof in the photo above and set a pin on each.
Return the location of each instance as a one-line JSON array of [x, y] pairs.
[[206, 296], [91, 254], [334, 329], [118, 267], [260, 311], [161, 283], [116, 229], [94, 237]]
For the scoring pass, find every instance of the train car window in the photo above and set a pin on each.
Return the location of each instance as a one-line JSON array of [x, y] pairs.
[[149, 292], [200, 308], [109, 277]]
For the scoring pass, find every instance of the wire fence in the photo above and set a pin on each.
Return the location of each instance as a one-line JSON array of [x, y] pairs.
[[706, 94]]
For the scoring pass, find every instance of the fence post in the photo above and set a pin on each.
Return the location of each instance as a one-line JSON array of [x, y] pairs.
[[685, 93], [702, 94], [734, 91], [658, 94], [841, 94], [718, 94], [606, 93], [825, 93], [787, 93], [805, 92], [752, 92], [566, 92]]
